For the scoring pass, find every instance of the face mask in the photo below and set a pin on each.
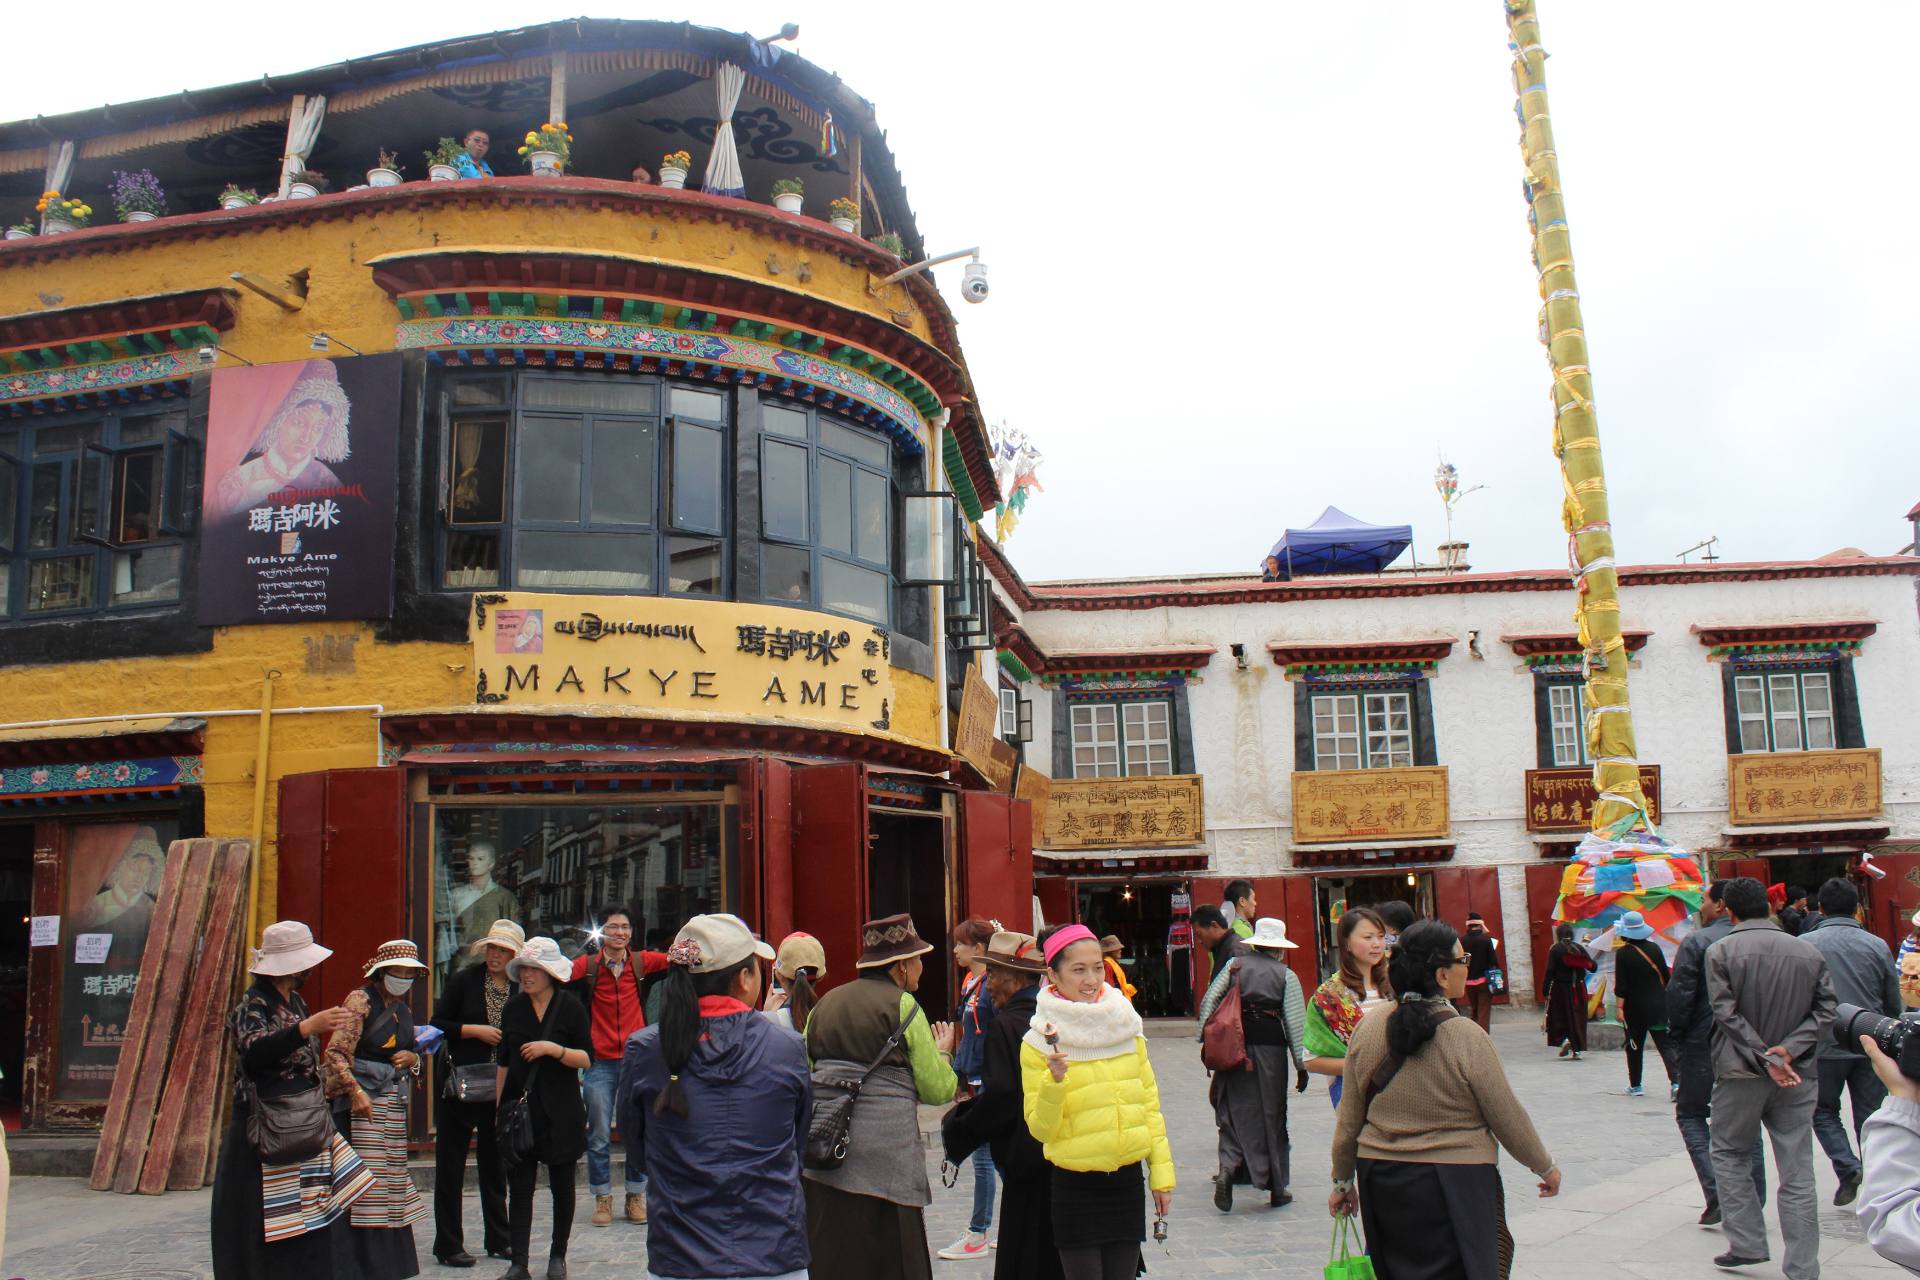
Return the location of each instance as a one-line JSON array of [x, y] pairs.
[[398, 986]]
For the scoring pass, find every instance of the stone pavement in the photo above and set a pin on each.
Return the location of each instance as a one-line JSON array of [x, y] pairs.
[[1627, 1206]]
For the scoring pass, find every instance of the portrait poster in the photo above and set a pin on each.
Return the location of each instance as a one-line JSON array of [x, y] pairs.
[[298, 510], [113, 874]]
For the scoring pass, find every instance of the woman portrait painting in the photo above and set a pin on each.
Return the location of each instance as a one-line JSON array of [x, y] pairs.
[[304, 429]]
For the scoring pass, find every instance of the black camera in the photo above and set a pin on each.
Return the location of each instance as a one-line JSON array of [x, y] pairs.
[[1894, 1036]]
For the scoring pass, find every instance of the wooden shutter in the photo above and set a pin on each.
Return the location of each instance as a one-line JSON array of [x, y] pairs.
[[997, 861], [829, 860], [343, 868]]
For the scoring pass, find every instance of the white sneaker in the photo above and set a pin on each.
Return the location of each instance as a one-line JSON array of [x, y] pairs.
[[974, 1244]]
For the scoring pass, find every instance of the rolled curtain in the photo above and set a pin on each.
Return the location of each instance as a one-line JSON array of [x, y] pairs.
[[300, 139], [59, 171], [723, 167]]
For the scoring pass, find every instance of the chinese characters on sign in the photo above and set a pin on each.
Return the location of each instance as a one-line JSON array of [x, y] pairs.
[[1370, 804], [1562, 799], [1112, 813], [1803, 786], [688, 657]]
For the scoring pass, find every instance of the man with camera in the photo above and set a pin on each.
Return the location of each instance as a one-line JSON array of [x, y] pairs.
[[1691, 1023], [1862, 971], [1772, 1002], [1889, 1205]]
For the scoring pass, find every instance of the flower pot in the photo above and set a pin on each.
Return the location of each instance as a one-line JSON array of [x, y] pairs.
[[788, 201], [302, 191], [138, 215], [54, 226], [673, 178], [442, 173], [235, 202], [545, 163], [842, 224], [15, 233], [382, 178]]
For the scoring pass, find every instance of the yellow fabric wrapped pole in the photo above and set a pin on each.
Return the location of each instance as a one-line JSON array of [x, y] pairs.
[[1576, 442]]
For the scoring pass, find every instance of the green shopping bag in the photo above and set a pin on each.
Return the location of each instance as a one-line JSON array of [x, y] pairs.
[[1342, 1262]]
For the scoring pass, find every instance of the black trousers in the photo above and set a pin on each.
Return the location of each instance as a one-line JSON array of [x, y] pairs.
[[560, 1179], [1636, 1047], [459, 1122], [1101, 1262]]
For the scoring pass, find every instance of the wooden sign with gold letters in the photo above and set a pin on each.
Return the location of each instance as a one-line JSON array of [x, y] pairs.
[[1764, 788], [1370, 804], [1113, 813]]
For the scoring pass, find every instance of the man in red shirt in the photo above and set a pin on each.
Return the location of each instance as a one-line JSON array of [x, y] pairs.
[[608, 981]]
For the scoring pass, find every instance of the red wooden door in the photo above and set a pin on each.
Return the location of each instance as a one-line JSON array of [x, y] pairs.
[[1057, 899], [1892, 901], [1459, 890], [829, 860], [1543, 891], [1293, 901], [1754, 868], [343, 868], [996, 865]]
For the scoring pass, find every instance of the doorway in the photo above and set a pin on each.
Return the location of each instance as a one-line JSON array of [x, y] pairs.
[[1141, 914], [907, 870], [1336, 895], [16, 905]]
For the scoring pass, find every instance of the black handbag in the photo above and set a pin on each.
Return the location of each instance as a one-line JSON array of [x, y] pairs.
[[290, 1129], [514, 1126], [830, 1131], [473, 1082]]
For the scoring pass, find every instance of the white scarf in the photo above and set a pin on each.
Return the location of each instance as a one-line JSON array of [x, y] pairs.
[[1106, 1028]]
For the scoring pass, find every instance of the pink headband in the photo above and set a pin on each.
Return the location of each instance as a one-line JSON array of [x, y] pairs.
[[1067, 937]]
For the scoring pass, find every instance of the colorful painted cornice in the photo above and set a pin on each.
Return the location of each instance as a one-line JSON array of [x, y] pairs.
[[1302, 657], [1781, 636], [1565, 645], [107, 353]]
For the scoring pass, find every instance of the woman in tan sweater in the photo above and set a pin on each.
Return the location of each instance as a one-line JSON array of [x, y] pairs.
[[1414, 1147]]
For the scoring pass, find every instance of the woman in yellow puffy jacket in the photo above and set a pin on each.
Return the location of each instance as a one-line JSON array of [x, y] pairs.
[[1092, 1104]]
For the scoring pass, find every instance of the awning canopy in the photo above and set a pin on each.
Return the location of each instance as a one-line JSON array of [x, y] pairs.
[[1337, 543]]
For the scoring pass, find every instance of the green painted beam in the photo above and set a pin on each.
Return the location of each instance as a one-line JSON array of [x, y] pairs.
[[463, 303], [684, 318], [1014, 667], [550, 304], [599, 308], [434, 306], [405, 307], [494, 303], [530, 304], [958, 479], [152, 343], [628, 310]]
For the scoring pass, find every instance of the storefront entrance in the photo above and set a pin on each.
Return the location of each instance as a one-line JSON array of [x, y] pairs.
[[16, 906], [907, 871], [1335, 895], [1141, 913]]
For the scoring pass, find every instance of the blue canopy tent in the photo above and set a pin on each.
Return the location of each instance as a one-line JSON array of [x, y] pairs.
[[1337, 543]]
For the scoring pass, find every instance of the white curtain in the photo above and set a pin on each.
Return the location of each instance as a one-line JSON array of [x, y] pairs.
[[59, 171], [723, 168], [302, 133]]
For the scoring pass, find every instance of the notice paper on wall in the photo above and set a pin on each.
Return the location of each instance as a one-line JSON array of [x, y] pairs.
[[44, 932], [91, 948]]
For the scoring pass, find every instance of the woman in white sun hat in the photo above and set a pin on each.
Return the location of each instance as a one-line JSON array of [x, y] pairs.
[[468, 1014], [1250, 1107], [544, 1046]]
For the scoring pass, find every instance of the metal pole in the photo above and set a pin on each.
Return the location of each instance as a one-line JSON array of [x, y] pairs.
[[1576, 441]]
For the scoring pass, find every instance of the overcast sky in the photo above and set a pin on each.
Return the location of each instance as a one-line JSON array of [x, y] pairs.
[[1250, 262]]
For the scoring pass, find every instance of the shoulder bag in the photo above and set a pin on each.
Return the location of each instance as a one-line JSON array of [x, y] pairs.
[[290, 1129], [514, 1127], [830, 1131], [1223, 1041]]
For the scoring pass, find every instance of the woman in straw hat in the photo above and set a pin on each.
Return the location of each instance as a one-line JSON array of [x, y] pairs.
[[545, 1036], [276, 1222], [468, 1013], [370, 1063], [864, 1218], [1250, 1107]]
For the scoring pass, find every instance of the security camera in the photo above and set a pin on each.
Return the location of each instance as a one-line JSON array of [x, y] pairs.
[[206, 355], [319, 342], [973, 286]]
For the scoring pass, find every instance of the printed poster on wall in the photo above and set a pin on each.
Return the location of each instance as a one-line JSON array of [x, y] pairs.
[[298, 514], [113, 875]]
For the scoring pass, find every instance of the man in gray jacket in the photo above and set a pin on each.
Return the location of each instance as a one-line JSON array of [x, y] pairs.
[[1772, 1004], [1691, 1024], [1861, 969]]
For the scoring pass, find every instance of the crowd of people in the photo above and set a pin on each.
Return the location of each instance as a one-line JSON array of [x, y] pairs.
[[772, 1131]]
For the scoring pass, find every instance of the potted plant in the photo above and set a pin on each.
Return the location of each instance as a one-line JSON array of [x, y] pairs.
[[137, 195], [547, 148], [674, 167], [844, 214], [788, 193], [234, 196], [387, 172], [443, 162], [892, 243], [20, 231], [62, 213]]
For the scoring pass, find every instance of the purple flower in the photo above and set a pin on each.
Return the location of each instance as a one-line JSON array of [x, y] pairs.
[[137, 192]]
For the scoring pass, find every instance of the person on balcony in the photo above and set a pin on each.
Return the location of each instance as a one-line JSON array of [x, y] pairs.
[[641, 176], [472, 163]]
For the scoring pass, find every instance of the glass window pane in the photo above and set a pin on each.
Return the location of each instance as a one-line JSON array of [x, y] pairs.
[[43, 507], [864, 445], [1753, 735], [9, 502], [145, 575], [137, 497], [870, 494], [65, 582], [591, 395], [550, 465], [1786, 734], [786, 573], [693, 566], [776, 421], [783, 491], [836, 505], [85, 510], [68, 439], [479, 472], [595, 562], [622, 479], [708, 405], [847, 588], [465, 393], [473, 560], [6, 588], [1817, 692], [698, 458], [1749, 696], [1819, 733], [920, 518]]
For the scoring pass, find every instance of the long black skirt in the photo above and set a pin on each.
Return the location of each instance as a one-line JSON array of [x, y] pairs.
[[865, 1236], [240, 1248], [1434, 1221], [1099, 1208], [1027, 1250], [1566, 1016]]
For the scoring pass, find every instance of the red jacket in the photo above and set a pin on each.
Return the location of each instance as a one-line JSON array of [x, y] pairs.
[[614, 1001]]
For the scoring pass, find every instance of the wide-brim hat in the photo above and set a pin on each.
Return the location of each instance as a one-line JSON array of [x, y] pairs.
[[1016, 952], [889, 940], [505, 934], [1270, 933], [1634, 925], [286, 948], [542, 953], [397, 954], [1110, 945]]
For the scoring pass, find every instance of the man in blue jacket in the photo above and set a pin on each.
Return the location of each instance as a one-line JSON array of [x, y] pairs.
[[1862, 971]]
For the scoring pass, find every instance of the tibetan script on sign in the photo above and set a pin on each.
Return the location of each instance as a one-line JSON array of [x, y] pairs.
[[1562, 799], [1123, 813], [1370, 804], [1764, 788]]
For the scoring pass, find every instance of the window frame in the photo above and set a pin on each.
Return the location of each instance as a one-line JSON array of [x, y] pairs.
[[1576, 695], [1124, 749], [1770, 716], [818, 444], [1362, 705]]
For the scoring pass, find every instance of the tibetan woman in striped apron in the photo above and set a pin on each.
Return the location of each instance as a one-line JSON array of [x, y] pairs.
[[370, 1067]]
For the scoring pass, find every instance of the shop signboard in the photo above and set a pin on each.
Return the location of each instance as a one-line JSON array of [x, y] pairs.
[[113, 873], [1765, 788], [1036, 788], [1562, 799], [1370, 804], [1129, 813], [975, 736], [689, 659]]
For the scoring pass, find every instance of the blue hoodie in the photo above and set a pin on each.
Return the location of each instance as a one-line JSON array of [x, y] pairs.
[[726, 1197]]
